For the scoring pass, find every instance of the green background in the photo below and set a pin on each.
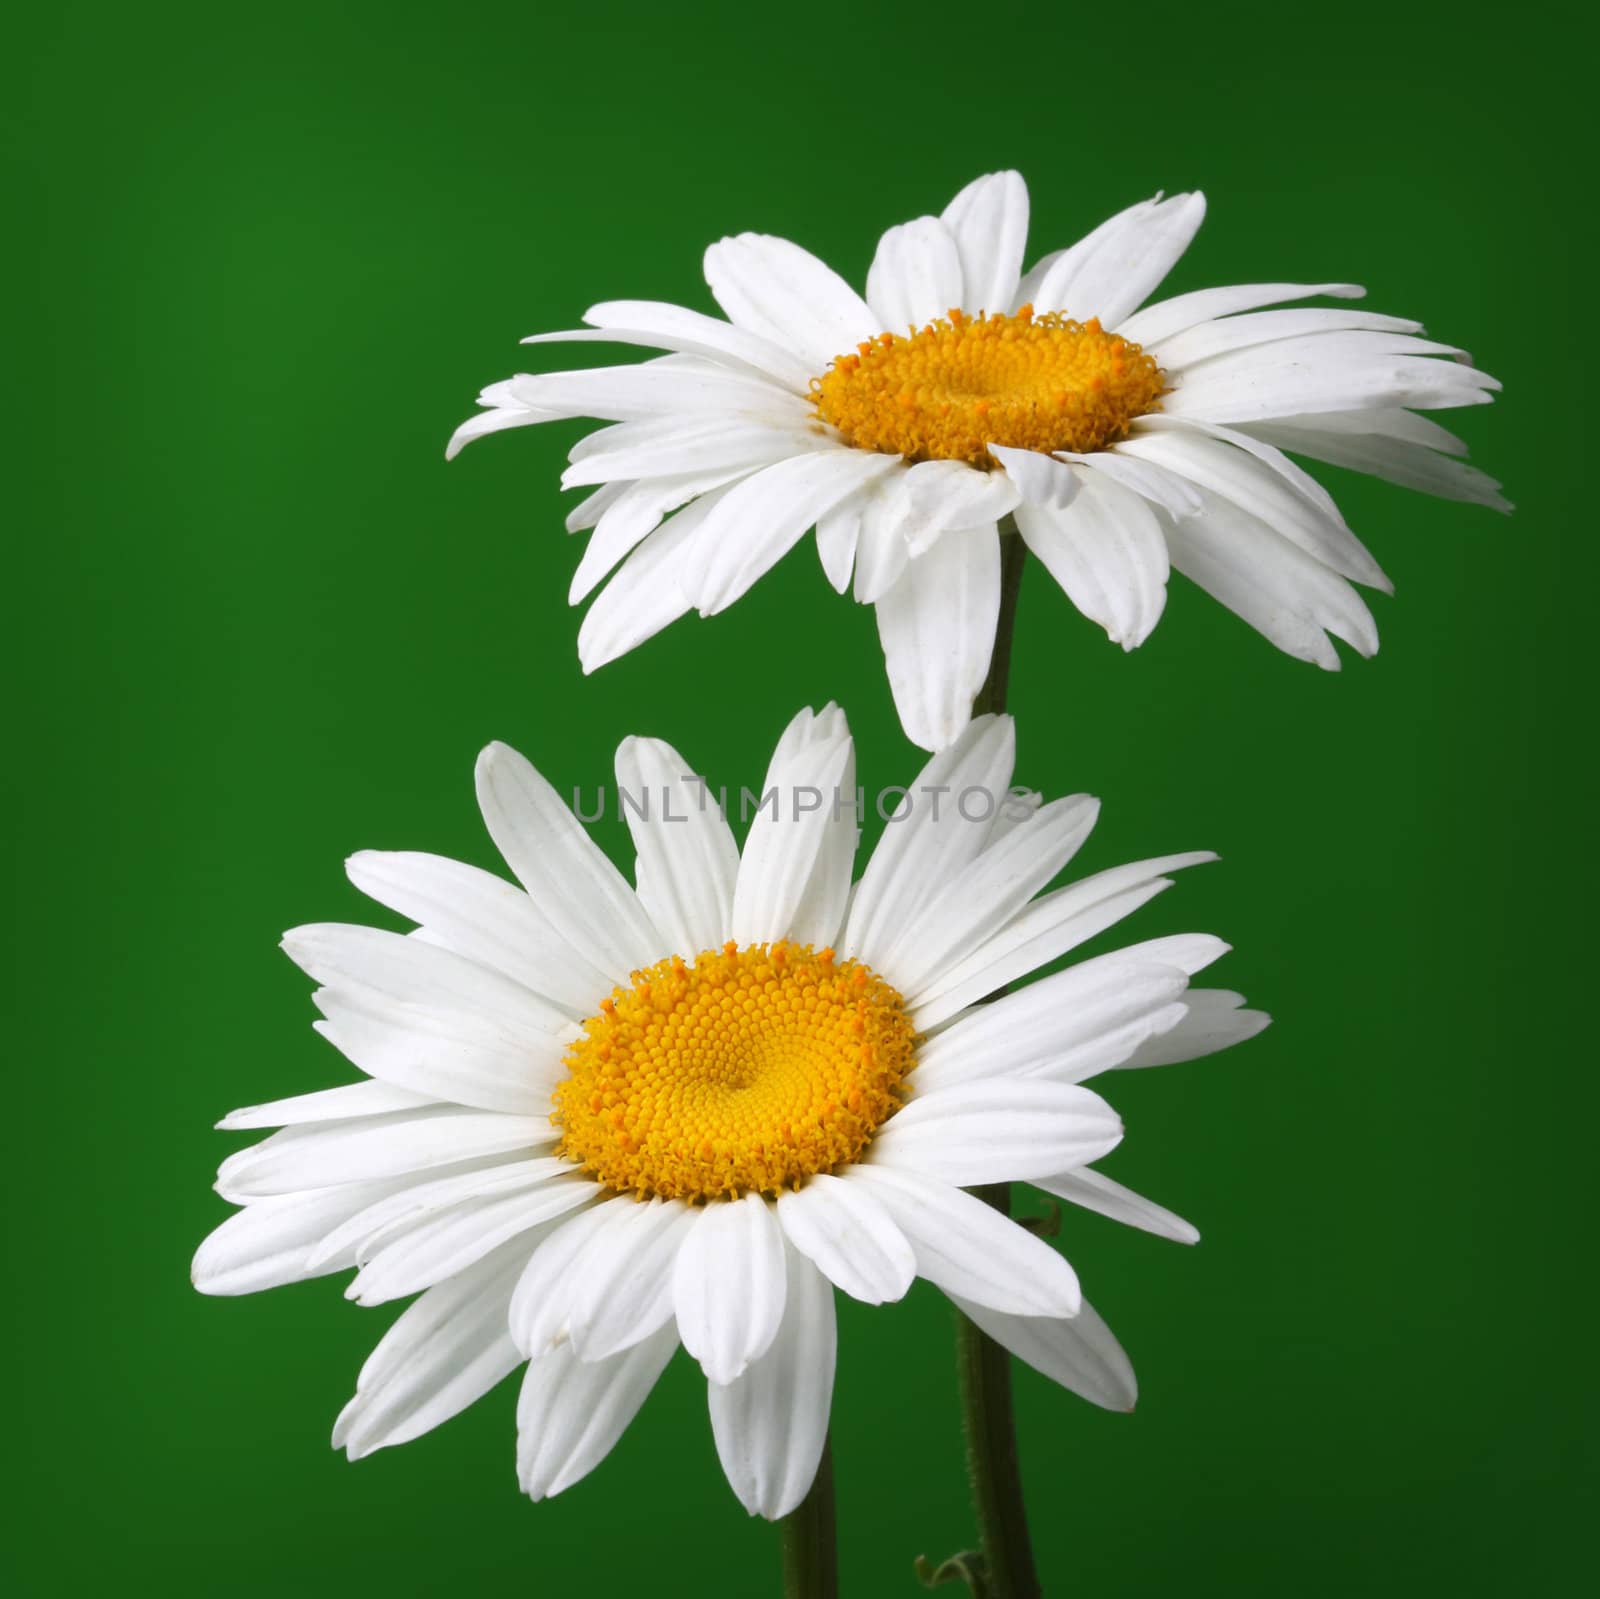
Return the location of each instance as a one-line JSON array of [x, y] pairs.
[[264, 257]]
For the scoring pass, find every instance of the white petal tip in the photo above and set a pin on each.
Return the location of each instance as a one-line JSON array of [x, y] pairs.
[[780, 1510], [493, 756]]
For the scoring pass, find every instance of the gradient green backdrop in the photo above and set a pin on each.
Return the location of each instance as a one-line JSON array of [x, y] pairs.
[[264, 257]]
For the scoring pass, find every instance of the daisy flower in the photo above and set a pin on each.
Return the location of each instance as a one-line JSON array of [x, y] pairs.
[[909, 425], [599, 1119]]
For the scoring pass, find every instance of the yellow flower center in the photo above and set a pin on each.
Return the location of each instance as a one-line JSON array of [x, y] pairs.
[[747, 1071], [947, 391]]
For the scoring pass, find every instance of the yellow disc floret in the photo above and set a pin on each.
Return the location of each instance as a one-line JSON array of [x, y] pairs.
[[744, 1072], [947, 391]]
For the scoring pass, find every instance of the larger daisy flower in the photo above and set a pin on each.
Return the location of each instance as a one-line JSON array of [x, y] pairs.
[[601, 1120], [906, 425]]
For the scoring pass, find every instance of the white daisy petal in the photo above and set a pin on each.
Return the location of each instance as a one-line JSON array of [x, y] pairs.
[[763, 517], [1018, 806], [965, 1246], [417, 1252], [588, 511], [989, 221], [411, 1197], [1044, 931], [404, 971], [1040, 479], [570, 1412], [1069, 1025], [819, 915], [624, 1292], [1033, 279], [325, 1153], [369, 1098], [1188, 952], [882, 551], [940, 495], [1128, 574], [915, 276], [794, 874], [445, 1351], [928, 840], [1113, 271], [995, 1130], [648, 593], [728, 1285], [1412, 466], [1326, 372], [494, 420], [1288, 596], [482, 917], [578, 891], [1265, 327], [710, 335], [455, 1056], [1168, 317], [806, 730], [989, 893], [670, 386], [675, 327], [771, 1423], [1080, 1354], [688, 861], [1107, 551], [778, 291], [1387, 421], [1214, 1021], [1255, 485], [1298, 480], [838, 532], [541, 1307], [849, 1237], [1096, 1192], [638, 514], [780, 368], [697, 446], [272, 1241], [937, 627], [1163, 489]]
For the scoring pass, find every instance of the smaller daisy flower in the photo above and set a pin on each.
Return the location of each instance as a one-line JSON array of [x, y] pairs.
[[909, 425], [599, 1119]]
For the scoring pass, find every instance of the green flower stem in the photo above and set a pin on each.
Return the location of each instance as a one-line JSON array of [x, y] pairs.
[[992, 1466], [1013, 555], [810, 1551], [985, 1368]]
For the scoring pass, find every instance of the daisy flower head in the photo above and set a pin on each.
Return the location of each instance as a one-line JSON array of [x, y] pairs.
[[600, 1119], [961, 396]]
